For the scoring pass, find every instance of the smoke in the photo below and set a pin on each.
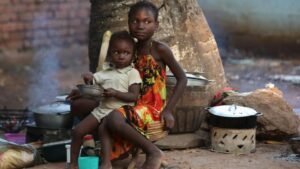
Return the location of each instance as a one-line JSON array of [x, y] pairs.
[[44, 85]]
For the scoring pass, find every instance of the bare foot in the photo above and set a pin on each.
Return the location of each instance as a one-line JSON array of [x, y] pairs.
[[153, 161], [73, 166]]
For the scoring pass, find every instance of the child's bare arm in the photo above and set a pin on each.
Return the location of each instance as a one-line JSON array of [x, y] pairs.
[[169, 60], [131, 96]]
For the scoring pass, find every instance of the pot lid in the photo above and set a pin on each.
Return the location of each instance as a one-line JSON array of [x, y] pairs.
[[56, 107], [232, 111]]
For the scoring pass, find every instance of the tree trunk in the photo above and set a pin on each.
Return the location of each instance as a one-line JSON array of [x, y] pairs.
[[182, 26]]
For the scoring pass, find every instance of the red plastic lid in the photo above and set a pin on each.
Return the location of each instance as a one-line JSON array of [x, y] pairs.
[[88, 137]]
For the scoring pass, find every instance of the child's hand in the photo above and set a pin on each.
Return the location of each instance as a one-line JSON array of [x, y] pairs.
[[168, 118], [87, 78], [75, 94], [110, 92]]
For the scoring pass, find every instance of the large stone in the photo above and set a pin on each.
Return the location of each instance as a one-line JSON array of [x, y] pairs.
[[278, 120], [180, 141]]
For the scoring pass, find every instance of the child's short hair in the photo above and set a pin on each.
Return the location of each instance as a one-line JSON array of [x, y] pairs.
[[121, 35], [143, 5]]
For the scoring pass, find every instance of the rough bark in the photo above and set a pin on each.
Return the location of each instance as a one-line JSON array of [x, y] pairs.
[[182, 26]]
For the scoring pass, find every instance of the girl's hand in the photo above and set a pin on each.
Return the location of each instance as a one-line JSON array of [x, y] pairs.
[[110, 92], [168, 118], [88, 78], [75, 94]]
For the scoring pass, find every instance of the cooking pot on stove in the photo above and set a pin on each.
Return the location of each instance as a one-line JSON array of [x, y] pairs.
[[233, 117], [53, 116]]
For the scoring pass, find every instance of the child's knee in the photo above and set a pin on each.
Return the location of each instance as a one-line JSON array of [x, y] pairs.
[[114, 120], [77, 132]]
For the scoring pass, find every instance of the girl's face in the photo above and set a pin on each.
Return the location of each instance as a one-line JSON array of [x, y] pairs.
[[142, 24], [121, 52]]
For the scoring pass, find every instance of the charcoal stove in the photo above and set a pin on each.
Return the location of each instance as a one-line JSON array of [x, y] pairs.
[[13, 120], [46, 135]]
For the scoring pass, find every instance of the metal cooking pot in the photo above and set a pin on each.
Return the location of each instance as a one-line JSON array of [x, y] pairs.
[[193, 79], [53, 116], [233, 117]]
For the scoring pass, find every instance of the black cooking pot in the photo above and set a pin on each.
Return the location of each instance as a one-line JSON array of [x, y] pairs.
[[56, 151], [233, 117]]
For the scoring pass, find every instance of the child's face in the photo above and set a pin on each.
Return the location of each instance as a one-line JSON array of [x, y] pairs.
[[142, 24], [121, 53]]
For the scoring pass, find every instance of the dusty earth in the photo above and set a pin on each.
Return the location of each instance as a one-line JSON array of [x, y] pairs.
[[26, 80], [266, 157]]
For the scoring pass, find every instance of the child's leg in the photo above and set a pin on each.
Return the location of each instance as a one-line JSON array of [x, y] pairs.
[[86, 126], [82, 107], [117, 124], [105, 140]]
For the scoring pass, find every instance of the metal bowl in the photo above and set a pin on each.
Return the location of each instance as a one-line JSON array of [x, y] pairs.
[[90, 90]]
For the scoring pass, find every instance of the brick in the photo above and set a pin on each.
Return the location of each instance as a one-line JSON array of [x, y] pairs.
[[5, 2], [12, 26], [14, 44], [16, 36], [28, 16], [58, 32], [4, 36], [74, 23], [8, 17], [82, 13], [61, 14], [37, 34], [85, 5]]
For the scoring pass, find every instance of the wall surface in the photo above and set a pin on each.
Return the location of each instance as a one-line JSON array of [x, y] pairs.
[[34, 23], [273, 23]]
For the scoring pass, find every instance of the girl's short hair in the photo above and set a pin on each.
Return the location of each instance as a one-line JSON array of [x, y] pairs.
[[143, 5], [121, 35]]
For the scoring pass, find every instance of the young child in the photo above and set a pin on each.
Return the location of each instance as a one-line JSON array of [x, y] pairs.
[[122, 85]]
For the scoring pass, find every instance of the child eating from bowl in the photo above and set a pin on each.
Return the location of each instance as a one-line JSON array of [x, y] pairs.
[[121, 83]]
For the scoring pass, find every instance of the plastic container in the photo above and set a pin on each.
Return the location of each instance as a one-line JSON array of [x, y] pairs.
[[88, 141], [19, 138], [88, 145], [91, 162]]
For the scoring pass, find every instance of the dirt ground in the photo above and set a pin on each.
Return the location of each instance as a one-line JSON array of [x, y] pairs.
[[267, 156], [24, 83]]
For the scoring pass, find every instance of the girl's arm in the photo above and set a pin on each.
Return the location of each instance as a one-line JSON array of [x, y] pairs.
[[169, 60], [131, 96]]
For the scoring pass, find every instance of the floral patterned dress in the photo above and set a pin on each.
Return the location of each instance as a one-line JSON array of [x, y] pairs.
[[150, 104]]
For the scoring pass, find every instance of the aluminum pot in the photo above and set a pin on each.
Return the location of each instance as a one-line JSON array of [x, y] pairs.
[[233, 117], [53, 116], [193, 79]]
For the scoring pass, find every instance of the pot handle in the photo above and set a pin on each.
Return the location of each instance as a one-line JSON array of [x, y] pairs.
[[259, 114], [231, 107]]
